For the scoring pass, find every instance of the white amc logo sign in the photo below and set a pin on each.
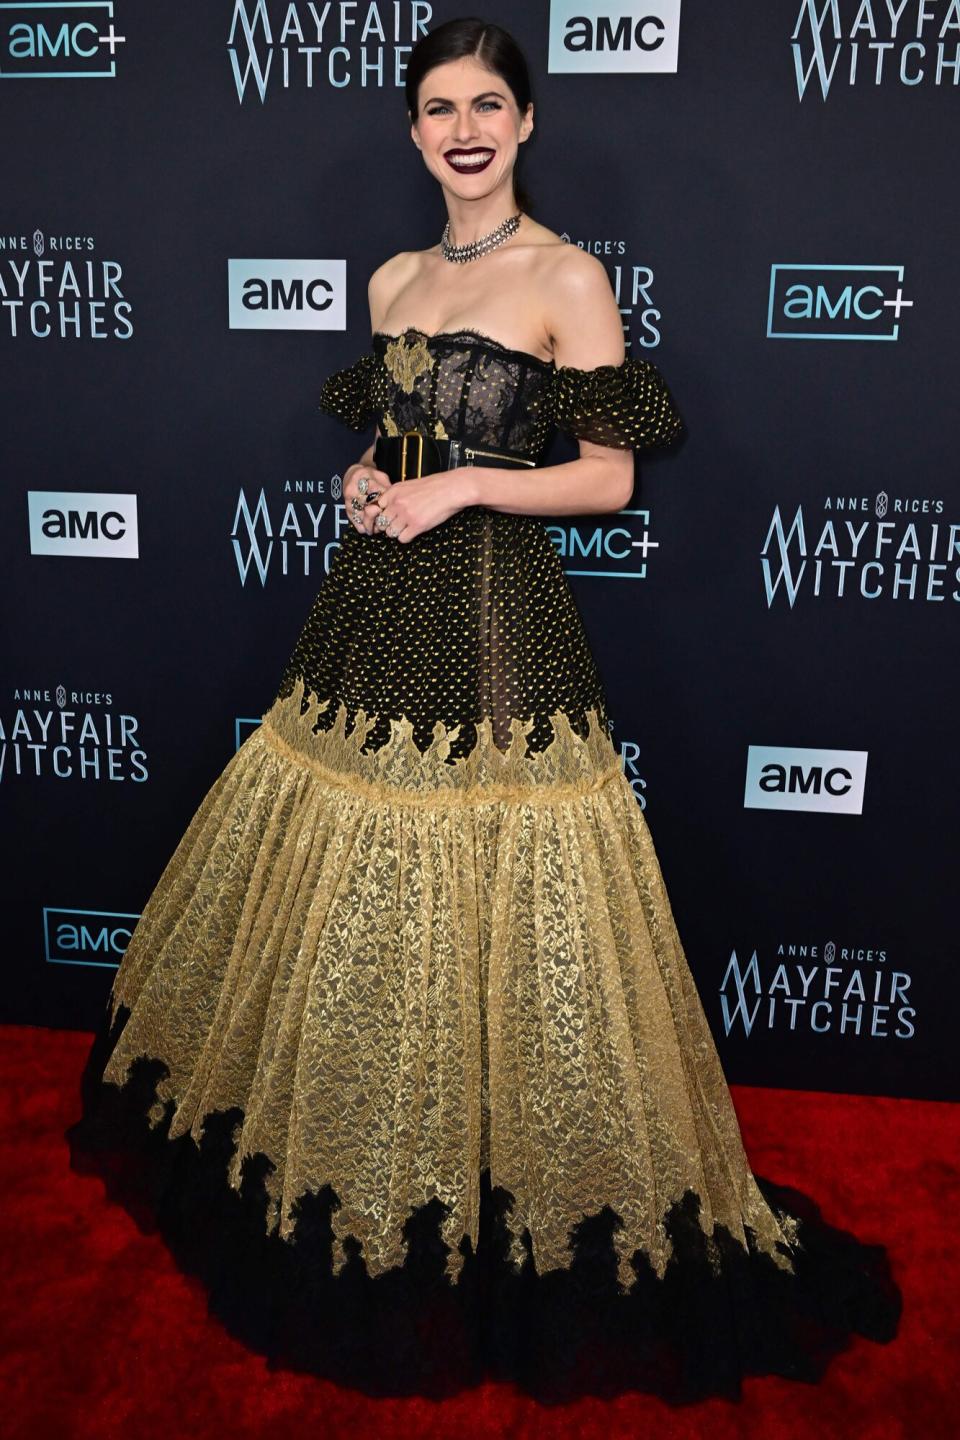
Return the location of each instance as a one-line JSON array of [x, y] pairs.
[[614, 37], [78, 522], [287, 294], [788, 777]]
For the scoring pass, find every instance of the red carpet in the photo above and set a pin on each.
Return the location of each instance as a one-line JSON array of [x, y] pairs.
[[103, 1338]]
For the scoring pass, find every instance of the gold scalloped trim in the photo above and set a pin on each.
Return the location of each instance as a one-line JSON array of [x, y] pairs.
[[399, 773]]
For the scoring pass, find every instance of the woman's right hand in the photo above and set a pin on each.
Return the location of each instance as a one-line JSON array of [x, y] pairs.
[[378, 482]]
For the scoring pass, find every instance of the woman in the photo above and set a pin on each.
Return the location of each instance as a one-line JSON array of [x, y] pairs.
[[405, 1044]]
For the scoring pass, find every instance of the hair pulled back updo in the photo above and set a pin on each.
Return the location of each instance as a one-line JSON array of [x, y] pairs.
[[480, 40]]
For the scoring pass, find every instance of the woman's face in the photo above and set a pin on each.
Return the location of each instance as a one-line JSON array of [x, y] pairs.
[[469, 128]]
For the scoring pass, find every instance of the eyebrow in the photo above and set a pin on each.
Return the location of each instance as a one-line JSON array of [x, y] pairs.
[[440, 99]]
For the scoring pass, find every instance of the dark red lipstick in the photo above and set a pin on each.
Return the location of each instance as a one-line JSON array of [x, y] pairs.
[[457, 159]]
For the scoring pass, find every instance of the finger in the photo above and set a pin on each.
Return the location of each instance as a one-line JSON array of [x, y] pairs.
[[371, 514], [373, 496], [376, 480], [351, 494], [378, 488], [357, 508]]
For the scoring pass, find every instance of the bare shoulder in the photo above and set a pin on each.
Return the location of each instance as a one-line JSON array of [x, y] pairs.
[[579, 276], [569, 276], [582, 315], [388, 280]]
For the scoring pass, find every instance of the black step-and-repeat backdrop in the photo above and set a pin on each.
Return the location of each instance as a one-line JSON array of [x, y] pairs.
[[193, 198]]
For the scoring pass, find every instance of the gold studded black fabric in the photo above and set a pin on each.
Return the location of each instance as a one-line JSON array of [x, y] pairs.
[[347, 394], [471, 620], [626, 406]]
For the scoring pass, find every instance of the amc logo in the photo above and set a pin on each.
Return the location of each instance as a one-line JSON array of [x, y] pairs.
[[44, 40], [86, 937], [613, 551], [74, 522], [835, 302], [593, 36], [787, 777], [287, 294]]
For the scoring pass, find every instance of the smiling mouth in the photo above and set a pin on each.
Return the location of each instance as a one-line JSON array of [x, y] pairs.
[[468, 161]]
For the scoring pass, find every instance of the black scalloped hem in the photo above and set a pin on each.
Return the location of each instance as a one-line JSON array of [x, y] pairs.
[[697, 1332]]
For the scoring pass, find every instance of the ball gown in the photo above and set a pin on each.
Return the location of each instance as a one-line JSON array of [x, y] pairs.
[[404, 1057]]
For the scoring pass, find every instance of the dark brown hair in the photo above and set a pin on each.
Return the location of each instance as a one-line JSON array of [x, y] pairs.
[[481, 40]]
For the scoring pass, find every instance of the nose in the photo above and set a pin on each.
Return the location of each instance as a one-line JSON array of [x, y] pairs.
[[465, 129]]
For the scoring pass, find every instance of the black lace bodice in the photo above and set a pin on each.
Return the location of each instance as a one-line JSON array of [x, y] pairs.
[[461, 382]]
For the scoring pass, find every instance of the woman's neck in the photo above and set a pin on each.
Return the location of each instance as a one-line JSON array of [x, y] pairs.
[[472, 219]]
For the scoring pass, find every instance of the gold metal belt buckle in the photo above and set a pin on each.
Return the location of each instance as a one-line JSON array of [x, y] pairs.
[[403, 455]]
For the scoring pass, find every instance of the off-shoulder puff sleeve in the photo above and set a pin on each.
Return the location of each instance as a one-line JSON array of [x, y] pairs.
[[626, 406], [347, 395]]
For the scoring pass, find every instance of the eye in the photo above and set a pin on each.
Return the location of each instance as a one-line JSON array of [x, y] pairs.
[[439, 109]]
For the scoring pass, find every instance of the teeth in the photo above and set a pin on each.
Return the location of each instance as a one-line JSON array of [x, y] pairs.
[[468, 160]]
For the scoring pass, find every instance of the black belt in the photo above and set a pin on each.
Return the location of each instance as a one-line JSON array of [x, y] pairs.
[[408, 456]]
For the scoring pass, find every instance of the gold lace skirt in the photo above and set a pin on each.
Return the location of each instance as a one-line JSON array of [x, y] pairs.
[[404, 971]]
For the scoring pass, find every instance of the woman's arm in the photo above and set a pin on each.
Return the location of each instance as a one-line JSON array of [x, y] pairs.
[[599, 482], [586, 330]]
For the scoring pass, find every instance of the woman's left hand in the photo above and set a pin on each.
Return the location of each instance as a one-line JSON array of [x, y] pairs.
[[414, 506]]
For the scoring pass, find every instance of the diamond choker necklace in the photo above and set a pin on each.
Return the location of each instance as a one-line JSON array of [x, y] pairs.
[[460, 254]]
